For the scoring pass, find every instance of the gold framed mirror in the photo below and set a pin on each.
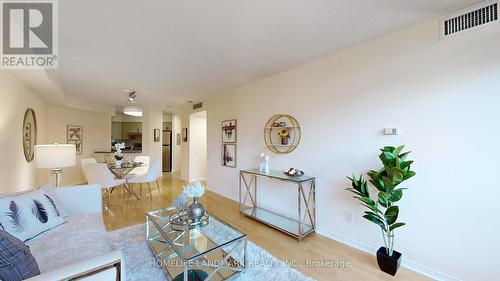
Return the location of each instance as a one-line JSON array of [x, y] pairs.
[[29, 134]]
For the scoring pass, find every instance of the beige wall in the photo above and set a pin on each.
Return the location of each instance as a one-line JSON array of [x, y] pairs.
[[177, 148], [96, 136], [16, 173], [152, 119], [184, 150], [444, 97]]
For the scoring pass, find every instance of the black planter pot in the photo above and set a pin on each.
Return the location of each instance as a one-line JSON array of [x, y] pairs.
[[386, 263]]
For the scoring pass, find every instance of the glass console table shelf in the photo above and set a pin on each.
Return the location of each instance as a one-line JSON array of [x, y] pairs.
[[302, 225]]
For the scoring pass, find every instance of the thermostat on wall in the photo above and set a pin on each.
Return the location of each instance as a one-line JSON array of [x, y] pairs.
[[391, 131]]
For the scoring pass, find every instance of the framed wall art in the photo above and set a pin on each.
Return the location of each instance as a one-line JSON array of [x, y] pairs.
[[229, 155], [79, 146], [184, 134], [29, 134], [74, 135], [74, 132], [229, 131]]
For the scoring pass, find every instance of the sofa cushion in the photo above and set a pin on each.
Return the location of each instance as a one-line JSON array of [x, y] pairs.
[[80, 238], [46, 190], [26, 216], [16, 261]]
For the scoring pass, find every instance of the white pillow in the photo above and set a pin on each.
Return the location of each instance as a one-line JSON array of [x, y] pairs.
[[26, 216], [49, 191]]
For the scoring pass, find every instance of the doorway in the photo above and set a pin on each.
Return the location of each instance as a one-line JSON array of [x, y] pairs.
[[198, 146], [167, 148]]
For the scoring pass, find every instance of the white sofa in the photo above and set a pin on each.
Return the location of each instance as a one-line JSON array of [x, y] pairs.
[[80, 248]]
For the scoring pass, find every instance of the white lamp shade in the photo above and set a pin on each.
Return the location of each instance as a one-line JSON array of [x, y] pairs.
[[55, 156]]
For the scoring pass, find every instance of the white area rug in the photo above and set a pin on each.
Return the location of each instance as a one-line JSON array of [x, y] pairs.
[[139, 259]]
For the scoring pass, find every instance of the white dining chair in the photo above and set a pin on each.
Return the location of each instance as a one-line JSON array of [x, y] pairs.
[[140, 171], [151, 176], [99, 173], [84, 162]]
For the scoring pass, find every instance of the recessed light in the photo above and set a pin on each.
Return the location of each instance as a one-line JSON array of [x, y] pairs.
[[189, 101]]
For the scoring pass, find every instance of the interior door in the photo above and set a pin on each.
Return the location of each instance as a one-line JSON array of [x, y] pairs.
[[167, 151]]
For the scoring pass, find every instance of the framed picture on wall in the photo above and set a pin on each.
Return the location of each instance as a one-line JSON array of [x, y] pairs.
[[178, 139], [79, 146], [74, 135], [229, 131], [156, 135], [184, 134], [229, 155], [74, 132]]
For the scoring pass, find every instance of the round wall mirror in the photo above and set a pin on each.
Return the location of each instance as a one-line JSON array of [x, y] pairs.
[[29, 134]]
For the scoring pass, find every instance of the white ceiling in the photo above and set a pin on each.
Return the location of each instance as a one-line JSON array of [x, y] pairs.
[[171, 51]]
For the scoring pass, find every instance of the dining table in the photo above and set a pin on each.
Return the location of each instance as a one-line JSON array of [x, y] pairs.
[[121, 171]]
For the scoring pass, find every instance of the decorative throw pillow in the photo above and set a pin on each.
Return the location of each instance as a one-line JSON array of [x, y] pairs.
[[49, 191], [16, 261], [26, 216]]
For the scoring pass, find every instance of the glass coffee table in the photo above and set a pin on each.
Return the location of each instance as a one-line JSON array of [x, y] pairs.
[[215, 251]]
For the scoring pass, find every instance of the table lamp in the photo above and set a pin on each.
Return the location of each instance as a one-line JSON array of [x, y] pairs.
[[55, 157]]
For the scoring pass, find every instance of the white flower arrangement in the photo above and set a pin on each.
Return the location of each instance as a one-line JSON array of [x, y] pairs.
[[181, 201], [119, 147], [194, 190], [118, 150]]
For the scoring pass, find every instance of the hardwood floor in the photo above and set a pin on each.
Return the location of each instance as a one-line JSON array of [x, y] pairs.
[[345, 263]]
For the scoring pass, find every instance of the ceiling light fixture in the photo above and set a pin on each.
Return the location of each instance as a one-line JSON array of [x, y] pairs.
[[131, 96], [132, 111]]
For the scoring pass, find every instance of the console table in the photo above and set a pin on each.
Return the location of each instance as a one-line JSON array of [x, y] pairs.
[[303, 224]]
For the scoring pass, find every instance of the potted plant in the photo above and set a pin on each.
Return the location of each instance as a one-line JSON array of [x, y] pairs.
[[383, 210]]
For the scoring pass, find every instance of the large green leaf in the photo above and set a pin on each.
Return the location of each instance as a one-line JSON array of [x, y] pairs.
[[409, 174], [379, 184], [388, 148], [397, 175], [376, 221], [406, 164], [398, 149], [373, 208], [404, 155], [375, 215], [367, 201], [360, 185], [396, 195], [396, 225], [389, 185], [389, 155], [391, 214], [383, 198]]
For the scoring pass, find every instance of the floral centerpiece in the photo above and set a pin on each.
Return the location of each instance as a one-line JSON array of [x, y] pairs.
[[195, 211], [118, 153]]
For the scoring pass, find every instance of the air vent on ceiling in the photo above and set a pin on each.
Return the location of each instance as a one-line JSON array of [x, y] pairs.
[[197, 106], [470, 18]]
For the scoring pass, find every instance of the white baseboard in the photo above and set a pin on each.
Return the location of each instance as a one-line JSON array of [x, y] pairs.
[[411, 265]]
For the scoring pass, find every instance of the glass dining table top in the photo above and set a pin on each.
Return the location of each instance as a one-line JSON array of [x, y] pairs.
[[124, 169], [192, 243]]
